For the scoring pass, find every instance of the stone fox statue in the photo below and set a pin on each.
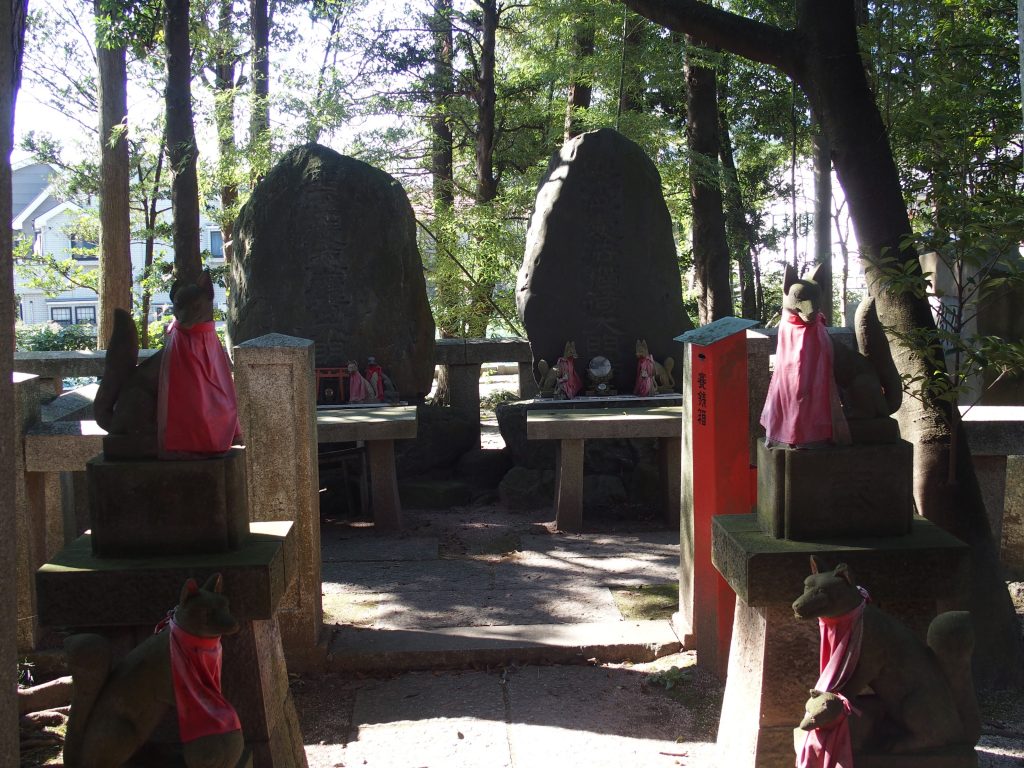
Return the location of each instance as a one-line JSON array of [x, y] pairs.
[[652, 377], [819, 384], [115, 708], [923, 696], [183, 395]]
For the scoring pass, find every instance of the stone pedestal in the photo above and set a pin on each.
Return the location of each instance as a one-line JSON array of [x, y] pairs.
[[275, 382], [773, 659], [145, 508], [857, 490], [28, 515], [111, 595]]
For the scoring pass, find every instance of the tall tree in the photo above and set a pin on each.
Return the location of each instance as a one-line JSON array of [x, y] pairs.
[[710, 247], [580, 83], [259, 109], [226, 59], [181, 142], [821, 54], [115, 219], [12, 34]]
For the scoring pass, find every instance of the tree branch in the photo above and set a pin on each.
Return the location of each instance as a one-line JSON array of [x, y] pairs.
[[716, 28]]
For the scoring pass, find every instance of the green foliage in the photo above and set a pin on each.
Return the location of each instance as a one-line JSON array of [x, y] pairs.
[[50, 337], [671, 677]]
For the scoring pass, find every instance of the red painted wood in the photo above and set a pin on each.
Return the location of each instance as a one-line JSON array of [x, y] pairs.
[[721, 480]]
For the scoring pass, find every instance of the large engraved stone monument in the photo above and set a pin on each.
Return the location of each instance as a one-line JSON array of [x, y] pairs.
[[326, 250], [600, 265]]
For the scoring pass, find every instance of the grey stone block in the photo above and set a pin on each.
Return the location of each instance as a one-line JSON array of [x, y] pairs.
[[141, 508], [859, 490]]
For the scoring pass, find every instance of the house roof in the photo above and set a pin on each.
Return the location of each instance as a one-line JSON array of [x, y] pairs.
[[65, 206], [19, 221]]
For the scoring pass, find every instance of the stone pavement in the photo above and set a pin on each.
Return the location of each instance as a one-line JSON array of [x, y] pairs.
[[479, 638]]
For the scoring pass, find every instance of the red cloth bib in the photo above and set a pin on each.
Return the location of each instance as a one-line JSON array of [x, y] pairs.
[[798, 409], [197, 412], [645, 385], [195, 672], [841, 636], [568, 377]]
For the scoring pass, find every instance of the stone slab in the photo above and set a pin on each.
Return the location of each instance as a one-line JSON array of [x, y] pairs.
[[858, 490], [713, 332], [61, 365], [434, 609], [62, 446], [475, 351], [141, 508], [645, 545], [648, 421], [342, 425], [370, 649], [78, 589], [74, 405], [763, 570], [994, 430], [367, 550]]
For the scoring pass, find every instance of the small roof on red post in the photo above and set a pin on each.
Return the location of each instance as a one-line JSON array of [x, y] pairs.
[[713, 332]]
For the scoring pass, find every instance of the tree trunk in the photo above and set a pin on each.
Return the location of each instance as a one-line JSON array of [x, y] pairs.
[[710, 247], [224, 117], [441, 157], [823, 221], [150, 203], [631, 82], [822, 56], [486, 98], [115, 221], [486, 179], [738, 229], [442, 172], [580, 88], [181, 143], [259, 121], [12, 35]]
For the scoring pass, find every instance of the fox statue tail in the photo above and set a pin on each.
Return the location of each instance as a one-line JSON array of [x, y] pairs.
[[951, 638], [873, 345], [89, 660], [122, 355]]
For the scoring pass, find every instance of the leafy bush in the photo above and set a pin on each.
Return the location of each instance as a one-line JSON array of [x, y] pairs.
[[51, 337]]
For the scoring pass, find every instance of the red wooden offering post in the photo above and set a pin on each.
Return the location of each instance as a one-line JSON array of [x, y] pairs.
[[715, 479]]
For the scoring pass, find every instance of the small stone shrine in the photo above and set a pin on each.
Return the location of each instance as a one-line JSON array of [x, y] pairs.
[[849, 504], [325, 249], [600, 265]]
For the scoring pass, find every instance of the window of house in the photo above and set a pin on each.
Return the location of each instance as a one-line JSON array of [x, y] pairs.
[[85, 315], [216, 244], [61, 315], [83, 249]]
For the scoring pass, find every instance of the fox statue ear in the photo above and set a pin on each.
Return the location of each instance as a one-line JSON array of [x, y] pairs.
[[190, 589], [843, 572], [214, 584], [789, 278], [817, 276], [815, 565]]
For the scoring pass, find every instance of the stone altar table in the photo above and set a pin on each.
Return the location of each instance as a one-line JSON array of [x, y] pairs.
[[572, 426], [379, 428]]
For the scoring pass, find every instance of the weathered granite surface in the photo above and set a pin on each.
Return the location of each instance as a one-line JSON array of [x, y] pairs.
[[600, 266], [325, 249]]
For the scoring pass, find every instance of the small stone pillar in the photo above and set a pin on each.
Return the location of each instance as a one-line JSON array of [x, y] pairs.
[[29, 526], [716, 479], [275, 382]]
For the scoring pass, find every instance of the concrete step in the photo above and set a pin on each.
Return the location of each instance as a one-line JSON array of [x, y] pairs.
[[393, 650]]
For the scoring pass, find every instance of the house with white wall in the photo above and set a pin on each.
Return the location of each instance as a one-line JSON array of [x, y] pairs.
[[49, 224]]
